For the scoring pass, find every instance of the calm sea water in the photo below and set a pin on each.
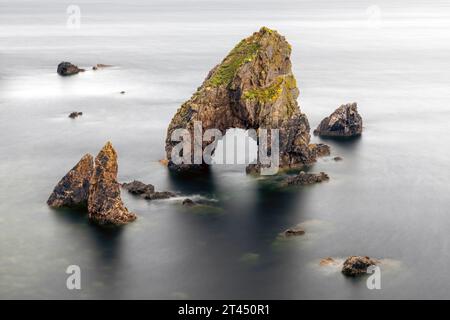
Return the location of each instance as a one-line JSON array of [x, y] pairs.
[[388, 198]]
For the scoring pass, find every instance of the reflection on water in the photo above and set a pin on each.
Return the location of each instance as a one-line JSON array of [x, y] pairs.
[[384, 199]]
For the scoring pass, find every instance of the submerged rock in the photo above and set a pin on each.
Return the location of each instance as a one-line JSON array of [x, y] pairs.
[[337, 159], [146, 191], [345, 121], [75, 114], [105, 205], [188, 202], [100, 65], [296, 231], [73, 189], [357, 265], [304, 178], [328, 262], [68, 69], [252, 88]]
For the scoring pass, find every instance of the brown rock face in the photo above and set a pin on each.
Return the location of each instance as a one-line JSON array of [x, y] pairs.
[[357, 265], [73, 188], [252, 88], [104, 204], [345, 121]]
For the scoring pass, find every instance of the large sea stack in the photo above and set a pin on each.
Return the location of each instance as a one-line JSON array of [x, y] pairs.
[[345, 121], [105, 205], [73, 189], [253, 87]]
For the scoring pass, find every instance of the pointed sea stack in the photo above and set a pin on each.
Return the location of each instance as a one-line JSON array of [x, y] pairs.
[[105, 205], [345, 121], [252, 88], [73, 189]]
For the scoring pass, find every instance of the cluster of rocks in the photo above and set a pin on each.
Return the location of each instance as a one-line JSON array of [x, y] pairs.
[[304, 178], [93, 184], [68, 69], [353, 266], [146, 191], [75, 114], [345, 121]]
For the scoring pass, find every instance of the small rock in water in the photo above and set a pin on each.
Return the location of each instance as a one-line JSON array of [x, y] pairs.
[[188, 202], [100, 65], [68, 69], [304, 178], [337, 158], [122, 92], [327, 261], [357, 265], [319, 149], [137, 187], [296, 231], [345, 121], [75, 114], [146, 191]]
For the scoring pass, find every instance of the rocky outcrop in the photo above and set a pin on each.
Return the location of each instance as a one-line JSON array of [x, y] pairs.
[[345, 121], [73, 189], [252, 88], [146, 191], [75, 114], [105, 205], [304, 178], [68, 69], [357, 265]]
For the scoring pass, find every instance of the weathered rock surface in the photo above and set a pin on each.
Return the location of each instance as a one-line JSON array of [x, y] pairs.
[[146, 191], [73, 189], [68, 69], [75, 114], [304, 178], [105, 205], [253, 87], [357, 265], [345, 121]]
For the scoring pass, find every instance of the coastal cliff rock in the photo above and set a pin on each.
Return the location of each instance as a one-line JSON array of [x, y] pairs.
[[68, 69], [73, 188], [252, 88], [104, 203], [345, 121], [304, 178], [357, 265]]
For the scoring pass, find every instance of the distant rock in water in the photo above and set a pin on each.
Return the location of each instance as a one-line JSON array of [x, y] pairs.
[[105, 205], [75, 114], [357, 265], [68, 69], [188, 202], [73, 189], [295, 231], [252, 88], [345, 121], [337, 159], [100, 65], [304, 178], [146, 191]]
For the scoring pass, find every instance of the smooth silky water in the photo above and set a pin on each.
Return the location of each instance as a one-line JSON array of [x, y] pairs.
[[388, 198]]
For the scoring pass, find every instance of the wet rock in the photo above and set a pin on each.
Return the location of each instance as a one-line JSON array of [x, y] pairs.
[[100, 65], [304, 178], [296, 231], [337, 158], [68, 69], [357, 265], [138, 188], [122, 92], [158, 195], [188, 202], [345, 121], [75, 114], [319, 149], [73, 189], [105, 205], [252, 88]]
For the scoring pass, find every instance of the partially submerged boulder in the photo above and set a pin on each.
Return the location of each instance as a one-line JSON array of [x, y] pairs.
[[75, 114], [105, 205], [252, 88], [345, 121], [295, 231], [304, 178], [357, 265], [146, 191], [188, 202], [68, 69], [73, 189]]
